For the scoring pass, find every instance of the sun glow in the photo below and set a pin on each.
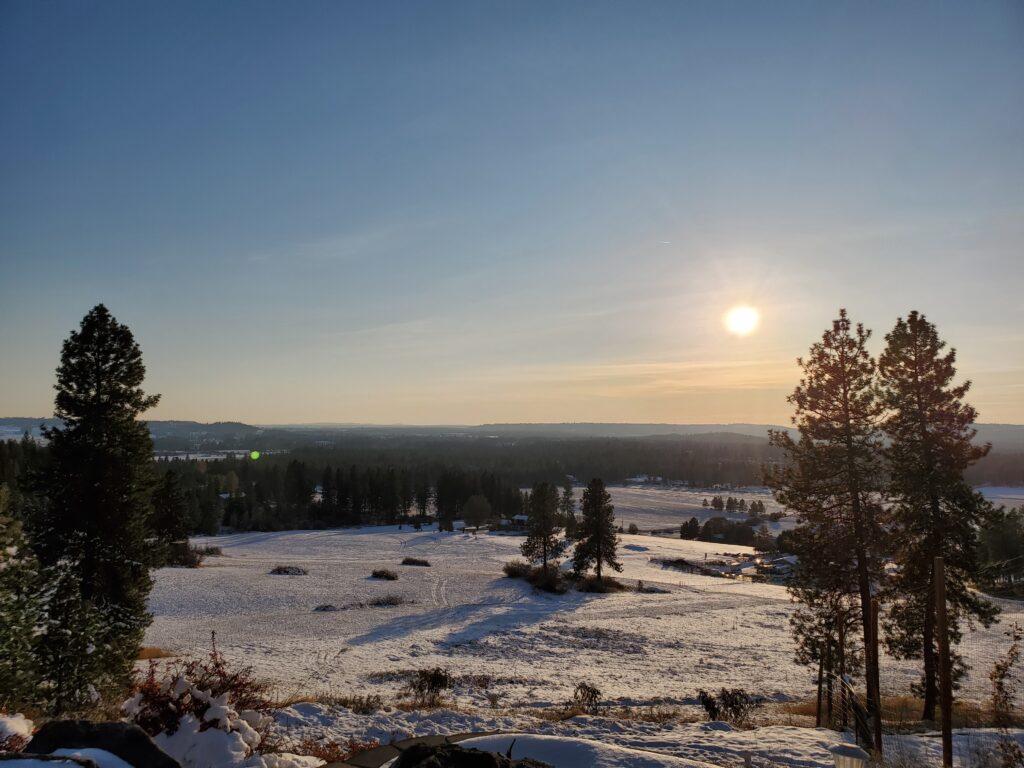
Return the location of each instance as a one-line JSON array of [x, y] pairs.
[[742, 321]]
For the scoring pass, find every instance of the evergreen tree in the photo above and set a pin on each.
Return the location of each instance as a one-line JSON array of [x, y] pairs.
[[567, 510], [830, 476], [20, 610], [170, 520], [73, 642], [542, 540], [94, 525], [597, 538], [476, 511], [935, 512]]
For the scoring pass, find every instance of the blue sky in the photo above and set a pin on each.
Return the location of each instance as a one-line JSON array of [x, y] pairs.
[[516, 211]]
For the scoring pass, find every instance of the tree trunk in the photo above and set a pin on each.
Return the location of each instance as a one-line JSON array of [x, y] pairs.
[[931, 686]]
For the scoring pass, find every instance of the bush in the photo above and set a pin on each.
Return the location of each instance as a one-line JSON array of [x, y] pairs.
[[331, 751], [384, 573], [633, 529], [547, 579], [359, 704], [288, 570], [325, 608], [517, 569], [428, 684], [208, 550], [587, 698], [189, 687], [388, 600], [593, 584], [730, 705], [415, 561]]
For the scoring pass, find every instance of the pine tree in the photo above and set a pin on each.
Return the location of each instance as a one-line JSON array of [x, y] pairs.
[[567, 509], [831, 474], [170, 520], [935, 512], [597, 533], [20, 610], [542, 540], [74, 644], [94, 525]]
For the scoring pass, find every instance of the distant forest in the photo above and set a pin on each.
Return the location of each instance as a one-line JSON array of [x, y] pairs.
[[370, 477]]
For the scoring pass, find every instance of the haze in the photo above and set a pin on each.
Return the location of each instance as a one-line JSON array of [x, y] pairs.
[[506, 212]]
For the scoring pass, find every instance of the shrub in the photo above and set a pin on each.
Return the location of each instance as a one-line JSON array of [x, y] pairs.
[[332, 751], [593, 584], [633, 529], [587, 698], [190, 687], [359, 704], [208, 550], [548, 580], [517, 569], [415, 561], [729, 705], [288, 570], [325, 608], [428, 684], [384, 573], [388, 600]]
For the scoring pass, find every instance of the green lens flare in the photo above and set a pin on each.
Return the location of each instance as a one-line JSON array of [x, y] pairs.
[[254, 455]]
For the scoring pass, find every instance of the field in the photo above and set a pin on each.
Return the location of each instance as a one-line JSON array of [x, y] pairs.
[[514, 651]]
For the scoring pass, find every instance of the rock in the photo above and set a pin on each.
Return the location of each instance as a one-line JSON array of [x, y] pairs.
[[45, 761], [454, 756], [129, 742]]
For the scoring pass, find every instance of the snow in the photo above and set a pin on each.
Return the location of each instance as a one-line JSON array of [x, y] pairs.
[[657, 507], [15, 725], [515, 651], [638, 649], [570, 753], [100, 757]]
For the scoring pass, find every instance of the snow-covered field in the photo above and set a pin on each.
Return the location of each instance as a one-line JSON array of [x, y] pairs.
[[516, 651], [657, 507]]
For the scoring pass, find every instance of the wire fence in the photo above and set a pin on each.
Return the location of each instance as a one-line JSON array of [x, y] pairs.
[[988, 702]]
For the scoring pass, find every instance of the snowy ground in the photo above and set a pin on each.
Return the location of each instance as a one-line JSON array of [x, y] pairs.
[[515, 650], [638, 649], [655, 507]]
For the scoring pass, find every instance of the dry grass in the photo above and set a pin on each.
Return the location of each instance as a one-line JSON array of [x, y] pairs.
[[148, 652], [898, 713]]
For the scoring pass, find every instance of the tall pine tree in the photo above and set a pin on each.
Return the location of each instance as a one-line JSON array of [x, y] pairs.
[[597, 537], [92, 530], [831, 474], [935, 512], [542, 540]]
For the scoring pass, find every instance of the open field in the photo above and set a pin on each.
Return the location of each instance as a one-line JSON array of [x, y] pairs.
[[655, 507], [531, 649]]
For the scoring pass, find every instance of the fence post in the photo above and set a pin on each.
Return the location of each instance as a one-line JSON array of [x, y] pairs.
[[945, 667], [877, 715], [821, 672]]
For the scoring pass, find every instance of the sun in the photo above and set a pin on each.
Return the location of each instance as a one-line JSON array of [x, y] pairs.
[[742, 321]]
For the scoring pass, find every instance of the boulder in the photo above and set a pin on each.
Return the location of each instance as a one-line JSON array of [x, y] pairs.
[[127, 741], [454, 756]]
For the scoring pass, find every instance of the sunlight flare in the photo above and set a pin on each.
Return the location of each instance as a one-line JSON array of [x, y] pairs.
[[742, 321]]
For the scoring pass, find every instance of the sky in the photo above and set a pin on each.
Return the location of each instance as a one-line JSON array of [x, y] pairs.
[[472, 212]]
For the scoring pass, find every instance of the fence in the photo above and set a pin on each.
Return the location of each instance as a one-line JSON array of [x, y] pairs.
[[981, 728]]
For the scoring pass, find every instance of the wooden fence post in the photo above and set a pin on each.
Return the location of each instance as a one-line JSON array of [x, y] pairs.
[[945, 666]]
